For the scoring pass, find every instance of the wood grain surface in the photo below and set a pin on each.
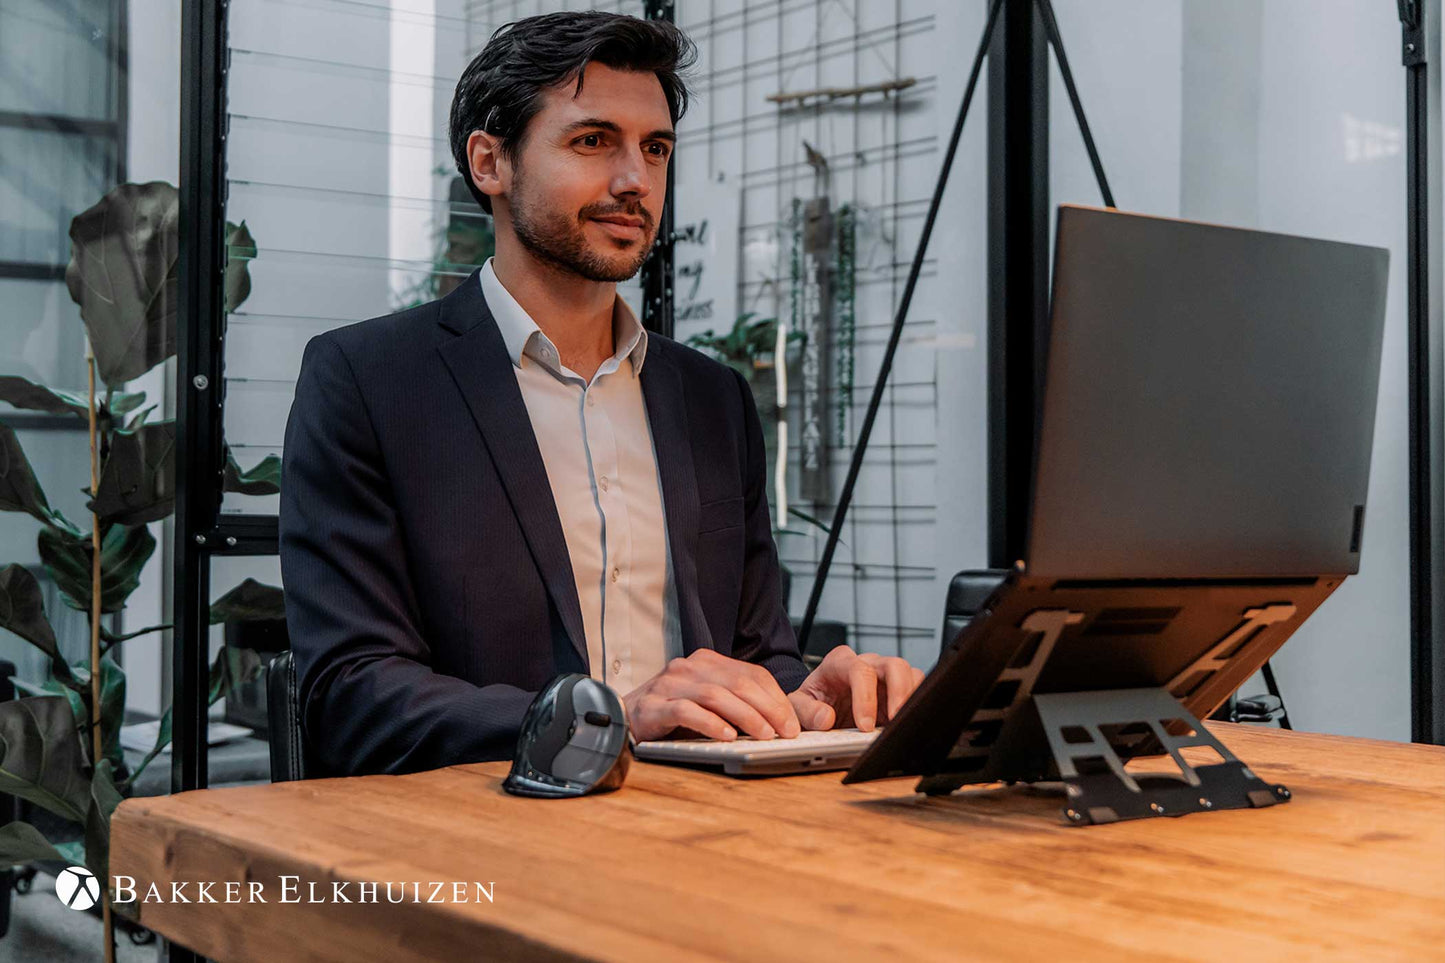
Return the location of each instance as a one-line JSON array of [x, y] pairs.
[[687, 865]]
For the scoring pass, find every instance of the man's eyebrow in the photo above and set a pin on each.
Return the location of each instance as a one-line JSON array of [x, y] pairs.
[[597, 123]]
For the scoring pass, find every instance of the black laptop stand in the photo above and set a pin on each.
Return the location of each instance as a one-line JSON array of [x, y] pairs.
[[1065, 681]]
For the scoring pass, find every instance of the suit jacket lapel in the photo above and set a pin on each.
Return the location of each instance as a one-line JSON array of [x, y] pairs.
[[667, 414], [478, 361]]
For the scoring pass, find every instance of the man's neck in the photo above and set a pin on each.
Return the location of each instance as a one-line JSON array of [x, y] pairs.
[[574, 313]]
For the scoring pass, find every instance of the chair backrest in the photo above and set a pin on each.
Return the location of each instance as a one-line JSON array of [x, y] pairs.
[[966, 595], [283, 715]]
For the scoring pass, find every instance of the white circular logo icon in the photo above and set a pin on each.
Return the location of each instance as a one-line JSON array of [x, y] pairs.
[[77, 888]]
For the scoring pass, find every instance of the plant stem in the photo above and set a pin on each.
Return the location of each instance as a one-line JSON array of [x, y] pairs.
[[108, 929], [111, 641]]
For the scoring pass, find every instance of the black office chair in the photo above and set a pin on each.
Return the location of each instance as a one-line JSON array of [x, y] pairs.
[[289, 760], [966, 595]]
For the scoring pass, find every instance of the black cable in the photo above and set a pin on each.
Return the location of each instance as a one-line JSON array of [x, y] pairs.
[[856, 463], [1051, 27]]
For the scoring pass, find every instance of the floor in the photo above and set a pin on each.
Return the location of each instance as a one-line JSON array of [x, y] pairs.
[[42, 929]]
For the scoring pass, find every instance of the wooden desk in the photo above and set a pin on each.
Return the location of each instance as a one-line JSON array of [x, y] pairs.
[[684, 865]]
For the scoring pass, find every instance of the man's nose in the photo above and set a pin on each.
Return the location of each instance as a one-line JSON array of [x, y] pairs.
[[630, 177]]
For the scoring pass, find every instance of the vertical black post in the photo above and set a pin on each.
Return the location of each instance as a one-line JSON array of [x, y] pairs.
[[1420, 47], [1018, 259], [200, 270], [201, 265], [657, 298]]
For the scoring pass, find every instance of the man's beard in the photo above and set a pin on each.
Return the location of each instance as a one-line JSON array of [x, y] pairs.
[[557, 239]]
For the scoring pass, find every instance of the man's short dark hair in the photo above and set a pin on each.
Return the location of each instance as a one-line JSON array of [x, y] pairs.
[[501, 89]]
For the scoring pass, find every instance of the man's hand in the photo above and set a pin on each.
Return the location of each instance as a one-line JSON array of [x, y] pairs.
[[712, 695], [848, 689]]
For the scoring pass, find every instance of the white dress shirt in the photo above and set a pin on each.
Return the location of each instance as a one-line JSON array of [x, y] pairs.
[[596, 444]]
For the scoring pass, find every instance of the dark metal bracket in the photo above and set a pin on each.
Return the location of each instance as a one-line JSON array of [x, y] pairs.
[[1412, 40], [241, 535], [1083, 730]]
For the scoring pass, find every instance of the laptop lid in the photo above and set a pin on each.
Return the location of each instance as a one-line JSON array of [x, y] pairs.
[[1209, 406]]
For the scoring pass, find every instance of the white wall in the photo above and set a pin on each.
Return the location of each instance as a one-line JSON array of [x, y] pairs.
[[1200, 111], [1332, 165]]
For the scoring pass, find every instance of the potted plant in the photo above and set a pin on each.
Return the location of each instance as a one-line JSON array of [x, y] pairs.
[[60, 743]]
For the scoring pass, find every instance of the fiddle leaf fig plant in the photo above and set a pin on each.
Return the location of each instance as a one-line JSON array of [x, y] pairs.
[[60, 740]]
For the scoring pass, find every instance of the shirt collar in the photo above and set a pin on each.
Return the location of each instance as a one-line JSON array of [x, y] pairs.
[[522, 336]]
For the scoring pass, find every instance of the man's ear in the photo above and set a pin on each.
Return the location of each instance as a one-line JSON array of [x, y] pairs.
[[490, 170]]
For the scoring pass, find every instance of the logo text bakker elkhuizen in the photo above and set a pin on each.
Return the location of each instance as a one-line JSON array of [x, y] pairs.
[[294, 891]]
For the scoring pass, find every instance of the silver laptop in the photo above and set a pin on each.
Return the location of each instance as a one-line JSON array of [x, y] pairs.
[[808, 752]]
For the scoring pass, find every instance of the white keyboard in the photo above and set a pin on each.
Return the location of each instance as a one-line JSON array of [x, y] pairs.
[[803, 743]]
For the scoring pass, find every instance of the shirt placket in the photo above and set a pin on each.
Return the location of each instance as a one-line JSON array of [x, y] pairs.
[[616, 577]]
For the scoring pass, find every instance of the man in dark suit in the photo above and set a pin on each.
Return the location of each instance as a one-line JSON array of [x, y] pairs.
[[517, 481]]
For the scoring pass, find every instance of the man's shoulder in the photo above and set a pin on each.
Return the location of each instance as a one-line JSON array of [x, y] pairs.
[[692, 363], [391, 336]]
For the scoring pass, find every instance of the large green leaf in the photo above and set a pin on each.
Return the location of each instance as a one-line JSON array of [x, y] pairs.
[[70, 690], [22, 842], [122, 273], [138, 482], [232, 667], [24, 393], [251, 601], [123, 553], [22, 611], [124, 402], [240, 249], [19, 491], [103, 798], [112, 710], [44, 760], [263, 479]]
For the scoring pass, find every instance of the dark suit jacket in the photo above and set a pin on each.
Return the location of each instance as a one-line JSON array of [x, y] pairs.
[[429, 594]]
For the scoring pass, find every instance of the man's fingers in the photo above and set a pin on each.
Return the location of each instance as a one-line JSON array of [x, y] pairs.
[[688, 714], [767, 697], [733, 708], [863, 684], [812, 713], [898, 679]]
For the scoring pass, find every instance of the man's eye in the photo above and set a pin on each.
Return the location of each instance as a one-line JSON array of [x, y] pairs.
[[591, 140], [659, 150]]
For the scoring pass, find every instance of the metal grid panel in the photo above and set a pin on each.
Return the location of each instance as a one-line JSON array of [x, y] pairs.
[[737, 146]]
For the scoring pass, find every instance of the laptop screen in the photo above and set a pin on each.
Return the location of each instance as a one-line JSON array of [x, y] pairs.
[[1209, 401]]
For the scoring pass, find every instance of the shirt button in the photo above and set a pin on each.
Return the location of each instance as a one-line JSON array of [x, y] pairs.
[[603, 482], [591, 401], [616, 574], [616, 665]]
